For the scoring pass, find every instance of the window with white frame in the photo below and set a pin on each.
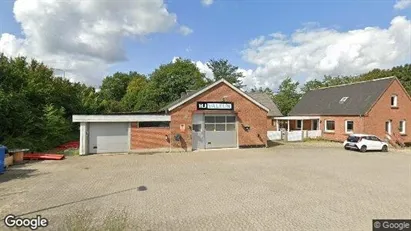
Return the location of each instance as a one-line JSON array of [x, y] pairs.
[[388, 127], [343, 99], [329, 125], [349, 126], [402, 127], [298, 124], [394, 101]]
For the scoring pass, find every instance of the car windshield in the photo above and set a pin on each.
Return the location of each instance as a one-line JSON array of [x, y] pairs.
[[353, 139]]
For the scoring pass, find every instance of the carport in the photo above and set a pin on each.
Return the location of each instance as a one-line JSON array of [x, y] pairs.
[[110, 133]]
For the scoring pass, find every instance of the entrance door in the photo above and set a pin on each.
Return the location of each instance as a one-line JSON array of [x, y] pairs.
[[220, 131], [314, 124], [198, 141]]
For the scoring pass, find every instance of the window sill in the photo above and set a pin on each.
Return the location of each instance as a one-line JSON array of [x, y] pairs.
[[330, 132], [349, 133], [394, 107], [403, 134]]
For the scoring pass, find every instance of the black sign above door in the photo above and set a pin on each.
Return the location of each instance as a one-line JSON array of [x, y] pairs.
[[215, 106]]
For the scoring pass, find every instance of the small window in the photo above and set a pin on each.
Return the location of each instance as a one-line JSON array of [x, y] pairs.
[[402, 127], [343, 99], [210, 119], [210, 127], [197, 127], [353, 139], [220, 127], [220, 119], [156, 124], [230, 127], [394, 101], [329, 125], [374, 138], [388, 127], [298, 124], [349, 126], [230, 119]]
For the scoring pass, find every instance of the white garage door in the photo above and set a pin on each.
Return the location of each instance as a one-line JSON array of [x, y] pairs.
[[108, 137]]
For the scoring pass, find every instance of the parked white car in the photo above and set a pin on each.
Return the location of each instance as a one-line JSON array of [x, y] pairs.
[[364, 142]]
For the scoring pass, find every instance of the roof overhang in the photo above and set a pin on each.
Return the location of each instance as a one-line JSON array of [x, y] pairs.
[[120, 118], [213, 85], [297, 118]]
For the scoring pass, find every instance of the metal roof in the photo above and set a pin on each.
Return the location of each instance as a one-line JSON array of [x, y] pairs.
[[349, 99]]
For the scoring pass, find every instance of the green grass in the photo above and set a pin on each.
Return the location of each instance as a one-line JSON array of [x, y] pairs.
[[319, 139]]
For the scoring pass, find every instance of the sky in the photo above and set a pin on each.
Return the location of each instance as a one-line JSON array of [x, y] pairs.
[[267, 39]]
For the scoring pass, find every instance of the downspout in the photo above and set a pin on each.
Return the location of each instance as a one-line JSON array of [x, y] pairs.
[[169, 134]]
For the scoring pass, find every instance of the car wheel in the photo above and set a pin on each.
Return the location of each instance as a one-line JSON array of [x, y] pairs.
[[346, 147], [384, 148], [363, 148]]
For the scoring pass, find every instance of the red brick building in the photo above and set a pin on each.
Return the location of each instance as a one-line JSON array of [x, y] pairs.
[[217, 116], [381, 107]]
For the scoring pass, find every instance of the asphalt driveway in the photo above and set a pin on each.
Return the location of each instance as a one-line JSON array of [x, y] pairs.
[[285, 187]]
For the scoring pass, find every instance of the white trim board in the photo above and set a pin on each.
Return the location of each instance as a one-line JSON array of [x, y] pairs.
[[297, 118], [213, 85], [121, 118]]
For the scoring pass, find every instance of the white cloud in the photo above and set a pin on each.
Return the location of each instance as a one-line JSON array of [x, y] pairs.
[[185, 30], [314, 52], [83, 37], [207, 2], [204, 69], [402, 4]]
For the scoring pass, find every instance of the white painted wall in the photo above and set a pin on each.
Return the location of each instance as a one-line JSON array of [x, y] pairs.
[[295, 136], [120, 118], [83, 148], [274, 135]]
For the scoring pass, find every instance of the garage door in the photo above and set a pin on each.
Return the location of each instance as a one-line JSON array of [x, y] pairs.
[[220, 131], [108, 137]]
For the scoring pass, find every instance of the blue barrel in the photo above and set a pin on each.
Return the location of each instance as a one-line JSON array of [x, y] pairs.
[[2, 157]]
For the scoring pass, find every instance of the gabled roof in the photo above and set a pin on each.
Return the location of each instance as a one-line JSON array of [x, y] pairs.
[[192, 95], [361, 96], [265, 100], [181, 99]]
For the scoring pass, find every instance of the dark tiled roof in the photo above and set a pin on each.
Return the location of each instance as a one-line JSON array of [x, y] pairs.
[[265, 100], [327, 101]]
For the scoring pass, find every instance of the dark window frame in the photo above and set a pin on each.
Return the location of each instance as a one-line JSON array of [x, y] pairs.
[[326, 126], [346, 126], [154, 124]]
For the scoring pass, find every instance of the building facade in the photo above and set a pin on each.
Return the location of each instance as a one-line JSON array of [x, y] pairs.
[[217, 116], [381, 107]]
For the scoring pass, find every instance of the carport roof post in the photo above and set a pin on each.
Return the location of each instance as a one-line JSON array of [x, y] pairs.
[[120, 118]]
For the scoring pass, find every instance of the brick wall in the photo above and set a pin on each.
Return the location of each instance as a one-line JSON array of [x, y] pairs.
[[339, 133], [149, 138], [247, 113], [382, 112], [271, 124]]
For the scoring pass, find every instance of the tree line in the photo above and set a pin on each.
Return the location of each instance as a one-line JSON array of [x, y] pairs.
[[36, 106]]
